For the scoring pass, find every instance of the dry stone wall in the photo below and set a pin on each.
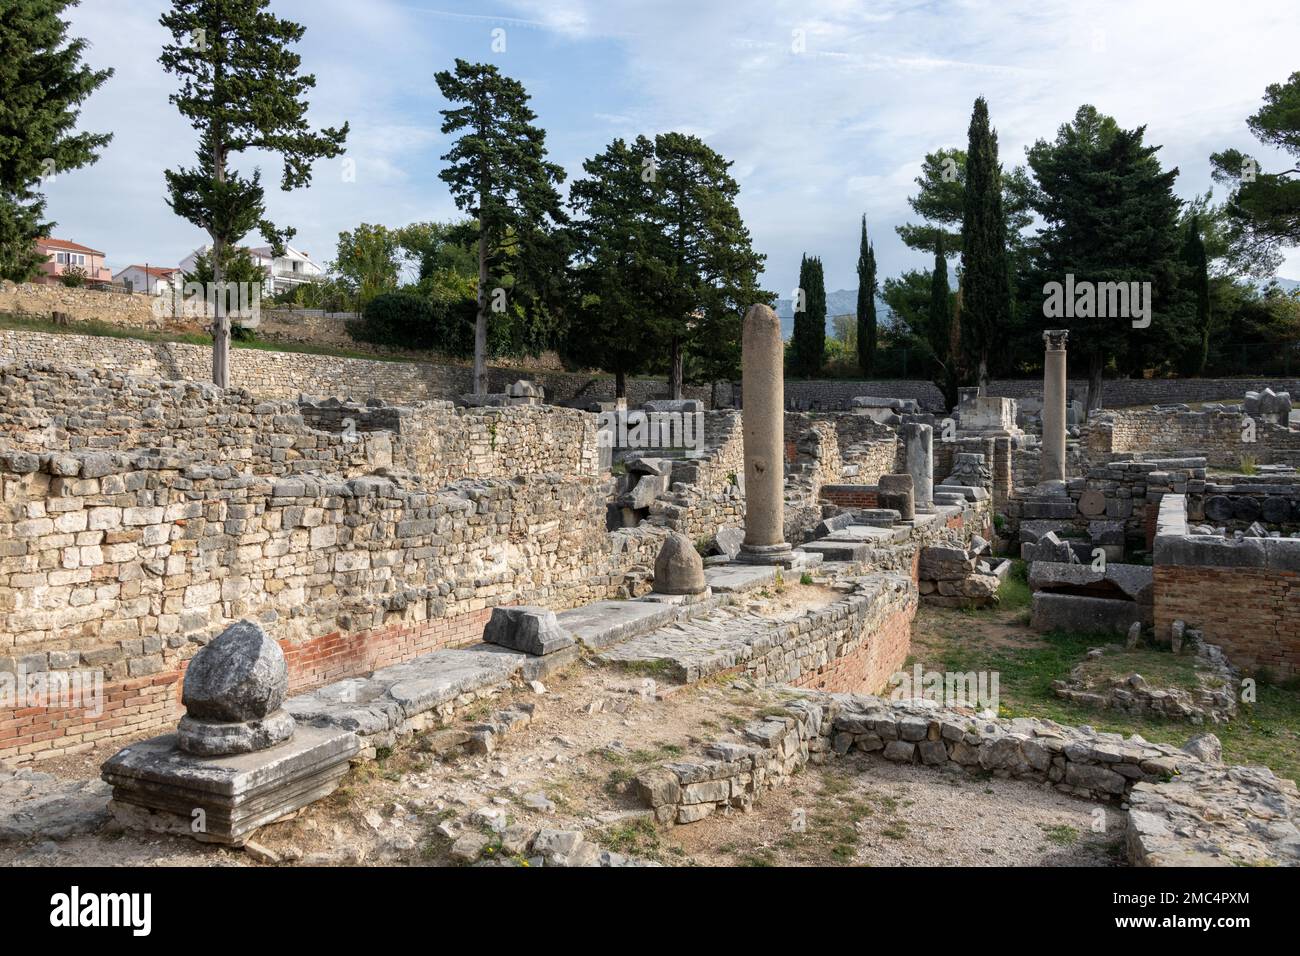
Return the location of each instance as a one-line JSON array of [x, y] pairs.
[[289, 375]]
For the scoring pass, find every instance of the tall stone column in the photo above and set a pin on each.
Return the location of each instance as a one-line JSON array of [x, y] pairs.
[[763, 428], [918, 444], [1052, 466]]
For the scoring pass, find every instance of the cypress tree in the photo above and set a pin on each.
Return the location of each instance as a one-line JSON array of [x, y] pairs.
[[42, 85], [809, 343], [1198, 284], [985, 281], [867, 331]]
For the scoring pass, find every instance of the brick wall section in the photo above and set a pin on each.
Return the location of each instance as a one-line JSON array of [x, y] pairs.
[[1253, 614], [867, 667], [850, 496], [1243, 595]]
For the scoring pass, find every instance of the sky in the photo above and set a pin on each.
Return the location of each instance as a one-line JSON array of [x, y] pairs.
[[825, 107]]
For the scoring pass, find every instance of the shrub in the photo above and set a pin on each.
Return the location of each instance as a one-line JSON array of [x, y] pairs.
[[74, 277], [408, 320]]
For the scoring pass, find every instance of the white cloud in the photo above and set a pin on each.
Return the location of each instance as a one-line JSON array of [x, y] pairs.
[[817, 138]]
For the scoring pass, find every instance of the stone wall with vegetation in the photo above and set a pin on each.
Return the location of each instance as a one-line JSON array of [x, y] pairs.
[[288, 375]]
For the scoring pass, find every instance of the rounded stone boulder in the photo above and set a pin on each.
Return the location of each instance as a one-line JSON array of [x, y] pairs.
[[679, 569], [241, 675]]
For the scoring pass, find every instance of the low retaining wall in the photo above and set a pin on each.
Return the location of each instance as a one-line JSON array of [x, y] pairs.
[[1166, 826]]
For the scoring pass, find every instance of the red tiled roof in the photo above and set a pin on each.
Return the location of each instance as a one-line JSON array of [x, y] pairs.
[[69, 246], [155, 271]]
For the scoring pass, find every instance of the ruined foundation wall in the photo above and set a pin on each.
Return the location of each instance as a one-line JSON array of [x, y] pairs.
[[1243, 595], [1219, 436]]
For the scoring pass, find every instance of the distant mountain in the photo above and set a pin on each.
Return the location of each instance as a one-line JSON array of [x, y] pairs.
[[841, 302], [1286, 285]]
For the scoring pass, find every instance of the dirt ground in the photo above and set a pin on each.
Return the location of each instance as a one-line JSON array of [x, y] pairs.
[[593, 729]]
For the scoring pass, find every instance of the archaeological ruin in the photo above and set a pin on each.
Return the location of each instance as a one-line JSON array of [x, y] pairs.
[[266, 587]]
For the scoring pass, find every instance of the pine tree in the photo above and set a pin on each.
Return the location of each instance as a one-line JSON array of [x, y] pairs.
[[710, 269], [1263, 209], [616, 267], [1110, 216], [867, 330], [498, 172], [241, 90], [808, 347], [42, 85], [985, 279]]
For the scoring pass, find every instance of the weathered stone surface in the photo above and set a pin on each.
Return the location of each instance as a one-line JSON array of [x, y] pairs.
[[1085, 615], [531, 630], [210, 738], [241, 675], [679, 569], [157, 786], [1131, 580], [896, 492]]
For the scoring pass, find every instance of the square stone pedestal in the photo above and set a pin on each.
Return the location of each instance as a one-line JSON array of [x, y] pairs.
[[157, 786]]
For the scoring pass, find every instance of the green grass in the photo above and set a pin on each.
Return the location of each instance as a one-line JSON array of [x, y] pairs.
[[1062, 834], [1266, 732], [1014, 594]]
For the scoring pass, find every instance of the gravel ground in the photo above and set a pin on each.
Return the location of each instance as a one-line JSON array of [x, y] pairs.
[[592, 730]]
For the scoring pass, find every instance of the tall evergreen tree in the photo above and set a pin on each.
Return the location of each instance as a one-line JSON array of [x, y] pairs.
[[42, 86], [986, 279], [617, 266], [498, 172], [1197, 282], [711, 270], [808, 347], [1263, 209], [1110, 215], [241, 90], [868, 333], [943, 338]]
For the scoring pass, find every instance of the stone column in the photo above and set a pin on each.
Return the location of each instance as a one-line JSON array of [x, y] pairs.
[[763, 428], [1052, 466], [918, 442]]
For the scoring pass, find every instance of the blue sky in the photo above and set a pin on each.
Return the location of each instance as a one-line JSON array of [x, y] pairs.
[[826, 106]]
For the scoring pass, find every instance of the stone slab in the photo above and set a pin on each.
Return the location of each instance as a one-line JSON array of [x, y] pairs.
[[838, 550], [1086, 615], [737, 578], [158, 786], [608, 622], [385, 699]]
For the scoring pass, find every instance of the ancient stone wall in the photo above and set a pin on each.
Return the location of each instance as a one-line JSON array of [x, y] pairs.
[[288, 375], [1222, 437], [1117, 393], [124, 309], [126, 563], [47, 408]]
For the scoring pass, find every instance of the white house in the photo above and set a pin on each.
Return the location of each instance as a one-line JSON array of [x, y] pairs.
[[283, 273], [150, 279]]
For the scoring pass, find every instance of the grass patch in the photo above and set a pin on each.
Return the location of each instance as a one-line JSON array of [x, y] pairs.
[[1014, 593], [1062, 834], [1266, 732]]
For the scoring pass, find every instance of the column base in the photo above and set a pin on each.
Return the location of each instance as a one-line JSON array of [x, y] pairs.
[[781, 554]]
